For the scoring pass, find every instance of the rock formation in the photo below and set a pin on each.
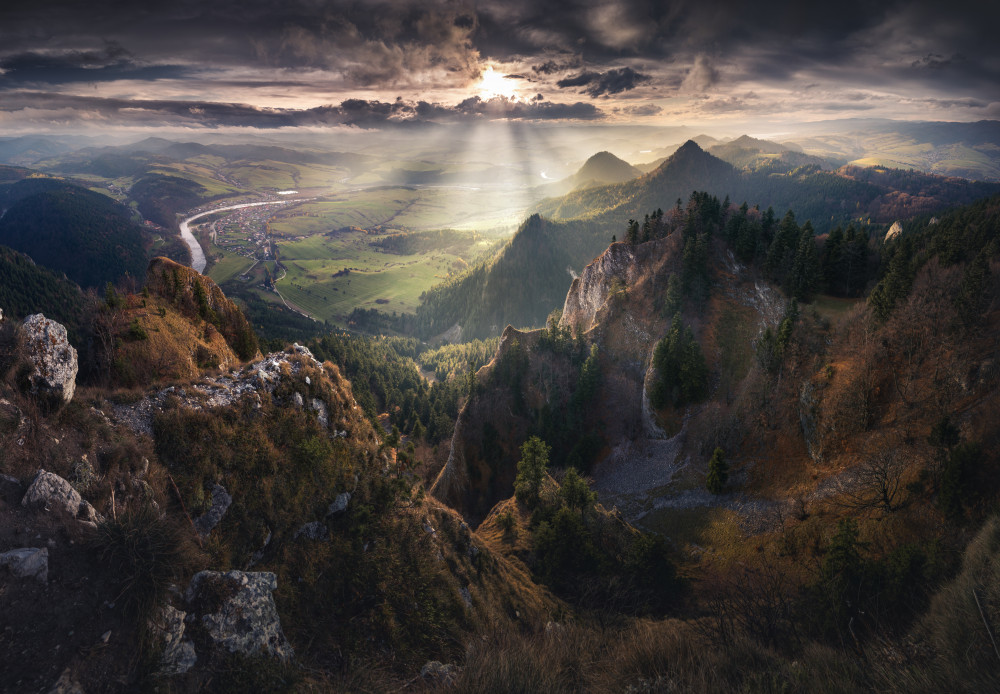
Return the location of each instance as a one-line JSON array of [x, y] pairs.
[[220, 504], [53, 358], [51, 492], [237, 612], [27, 562]]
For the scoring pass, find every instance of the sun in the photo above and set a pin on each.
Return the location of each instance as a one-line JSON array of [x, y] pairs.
[[493, 84]]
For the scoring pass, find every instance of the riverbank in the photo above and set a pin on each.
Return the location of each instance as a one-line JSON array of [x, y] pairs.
[[198, 259]]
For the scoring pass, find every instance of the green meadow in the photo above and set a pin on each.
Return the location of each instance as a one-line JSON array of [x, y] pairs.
[[328, 276]]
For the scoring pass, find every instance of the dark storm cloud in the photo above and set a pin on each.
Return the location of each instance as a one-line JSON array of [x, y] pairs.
[[502, 107], [947, 51], [550, 67], [113, 63], [610, 82], [357, 112]]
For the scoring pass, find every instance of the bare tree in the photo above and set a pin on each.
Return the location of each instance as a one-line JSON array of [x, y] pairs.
[[877, 482]]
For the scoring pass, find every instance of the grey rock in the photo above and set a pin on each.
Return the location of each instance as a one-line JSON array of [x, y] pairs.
[[53, 358], [319, 407], [51, 492], [66, 684], [339, 504], [27, 562], [179, 654], [466, 596], [439, 673], [211, 518], [895, 230], [259, 378], [313, 531], [297, 400], [604, 277], [237, 612]]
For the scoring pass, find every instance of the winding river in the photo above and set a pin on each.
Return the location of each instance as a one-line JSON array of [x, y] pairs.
[[198, 260]]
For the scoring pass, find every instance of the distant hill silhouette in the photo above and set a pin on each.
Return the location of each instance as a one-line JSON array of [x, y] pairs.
[[749, 153]]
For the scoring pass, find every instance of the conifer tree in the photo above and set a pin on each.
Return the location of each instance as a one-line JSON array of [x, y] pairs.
[[531, 471], [576, 492], [718, 472]]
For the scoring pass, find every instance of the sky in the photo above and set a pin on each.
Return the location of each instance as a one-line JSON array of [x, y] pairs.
[[103, 64]]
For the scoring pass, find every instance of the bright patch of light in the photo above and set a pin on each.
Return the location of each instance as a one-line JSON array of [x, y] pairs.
[[546, 176], [493, 84]]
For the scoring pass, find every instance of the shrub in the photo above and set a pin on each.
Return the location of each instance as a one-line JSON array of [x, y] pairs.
[[145, 555], [136, 331], [507, 523]]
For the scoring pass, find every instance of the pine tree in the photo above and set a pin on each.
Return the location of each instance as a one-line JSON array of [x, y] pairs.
[[632, 235], [418, 430], [531, 471], [682, 375], [803, 277], [674, 296], [782, 248], [576, 492], [718, 472]]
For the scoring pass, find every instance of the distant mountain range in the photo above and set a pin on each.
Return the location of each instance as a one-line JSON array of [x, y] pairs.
[[526, 280], [827, 198], [749, 153]]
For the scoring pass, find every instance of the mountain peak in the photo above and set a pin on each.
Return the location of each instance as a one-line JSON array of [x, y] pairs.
[[689, 147], [605, 167]]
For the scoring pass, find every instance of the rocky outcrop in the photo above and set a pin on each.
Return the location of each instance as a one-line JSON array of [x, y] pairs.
[[53, 358], [211, 518], [440, 674], [51, 492], [313, 531], [255, 380], [895, 230], [339, 504], [614, 271], [478, 473], [178, 654], [236, 612], [66, 684], [27, 562]]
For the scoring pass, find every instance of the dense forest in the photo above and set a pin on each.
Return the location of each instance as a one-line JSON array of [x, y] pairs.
[[69, 229], [161, 197], [28, 288]]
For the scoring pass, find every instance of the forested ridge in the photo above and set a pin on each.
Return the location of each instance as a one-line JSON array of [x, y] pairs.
[[69, 229], [527, 279]]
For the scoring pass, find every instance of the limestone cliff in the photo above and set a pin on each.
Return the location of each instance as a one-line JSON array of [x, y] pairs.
[[617, 305]]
